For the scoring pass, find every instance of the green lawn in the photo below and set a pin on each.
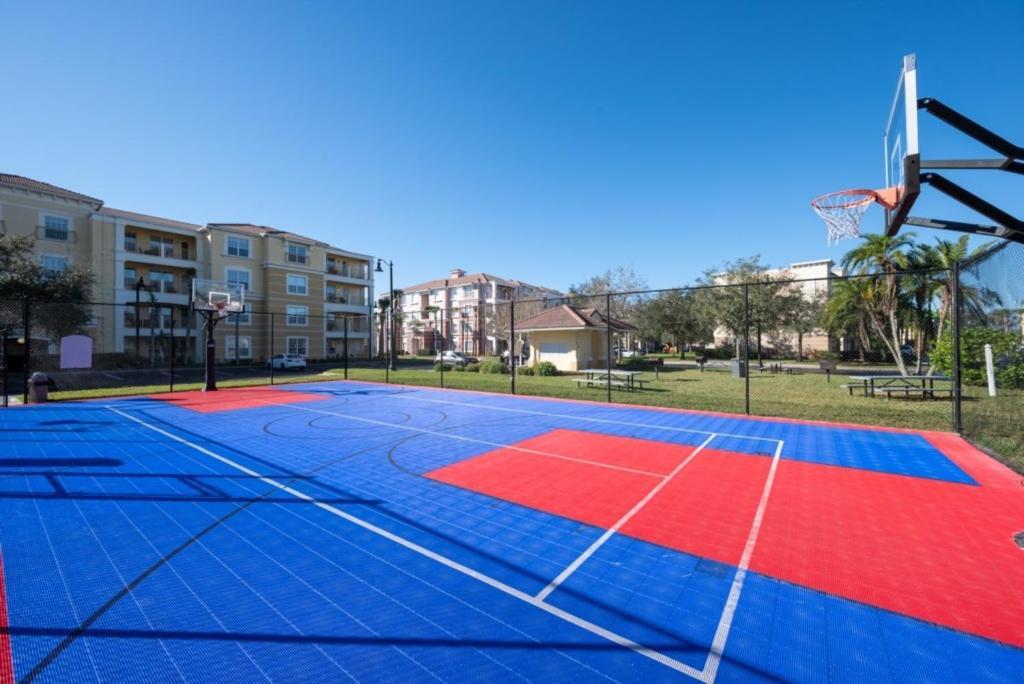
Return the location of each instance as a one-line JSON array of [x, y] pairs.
[[994, 423]]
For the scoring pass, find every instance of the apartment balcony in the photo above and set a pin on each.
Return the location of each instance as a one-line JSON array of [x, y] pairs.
[[344, 272], [161, 255]]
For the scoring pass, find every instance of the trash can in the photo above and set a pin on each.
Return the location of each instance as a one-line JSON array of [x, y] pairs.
[[38, 388], [739, 368]]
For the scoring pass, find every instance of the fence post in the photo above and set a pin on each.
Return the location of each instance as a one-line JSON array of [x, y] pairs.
[[3, 366], [27, 330], [237, 318], [442, 351], [172, 349], [608, 342], [512, 361], [271, 356], [344, 342], [746, 348], [387, 360], [957, 397]]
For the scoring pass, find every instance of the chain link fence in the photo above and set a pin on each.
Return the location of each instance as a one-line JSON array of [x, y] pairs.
[[991, 351], [874, 349]]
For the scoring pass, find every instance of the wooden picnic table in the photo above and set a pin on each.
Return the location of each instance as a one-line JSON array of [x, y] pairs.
[[619, 378], [896, 384]]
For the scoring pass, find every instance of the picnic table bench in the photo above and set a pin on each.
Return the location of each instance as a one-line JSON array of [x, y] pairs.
[[889, 385], [621, 379]]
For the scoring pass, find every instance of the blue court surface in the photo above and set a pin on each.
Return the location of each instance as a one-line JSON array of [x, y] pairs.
[[352, 531]]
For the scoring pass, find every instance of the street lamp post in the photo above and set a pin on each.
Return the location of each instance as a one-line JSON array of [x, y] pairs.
[[391, 308]]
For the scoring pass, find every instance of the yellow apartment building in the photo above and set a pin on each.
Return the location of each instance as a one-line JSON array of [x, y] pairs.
[[309, 285]]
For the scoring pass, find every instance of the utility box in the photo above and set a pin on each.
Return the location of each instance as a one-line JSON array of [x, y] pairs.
[[38, 388], [739, 368]]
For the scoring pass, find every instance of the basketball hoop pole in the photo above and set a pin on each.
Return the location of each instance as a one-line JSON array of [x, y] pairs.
[[209, 361]]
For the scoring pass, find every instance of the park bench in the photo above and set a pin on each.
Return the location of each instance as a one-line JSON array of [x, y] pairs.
[[922, 392]]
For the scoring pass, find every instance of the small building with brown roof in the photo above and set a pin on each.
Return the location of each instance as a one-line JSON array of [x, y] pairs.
[[570, 337]]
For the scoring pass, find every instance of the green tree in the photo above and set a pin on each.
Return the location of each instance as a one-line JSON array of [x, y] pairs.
[[941, 258], [722, 299], [22, 278], [886, 256], [677, 315], [802, 314]]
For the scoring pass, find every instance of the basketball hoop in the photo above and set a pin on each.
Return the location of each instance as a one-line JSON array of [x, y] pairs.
[[842, 211], [220, 310]]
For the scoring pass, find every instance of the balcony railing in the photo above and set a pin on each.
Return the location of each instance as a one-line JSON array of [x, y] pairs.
[[53, 233], [165, 251], [351, 300], [358, 271]]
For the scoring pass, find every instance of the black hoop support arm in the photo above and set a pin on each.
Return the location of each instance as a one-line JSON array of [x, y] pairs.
[[969, 127]]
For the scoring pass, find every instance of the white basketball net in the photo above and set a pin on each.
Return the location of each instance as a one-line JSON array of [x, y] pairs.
[[842, 212]]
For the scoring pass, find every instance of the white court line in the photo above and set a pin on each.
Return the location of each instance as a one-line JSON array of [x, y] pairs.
[[572, 567], [572, 417], [448, 562], [733, 600]]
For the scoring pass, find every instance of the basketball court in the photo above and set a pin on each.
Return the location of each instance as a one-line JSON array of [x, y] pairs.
[[359, 531]]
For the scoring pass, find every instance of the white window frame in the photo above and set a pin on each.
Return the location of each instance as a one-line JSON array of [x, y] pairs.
[[288, 253], [291, 315], [247, 272], [248, 247], [288, 345], [43, 215], [244, 352], [288, 285], [165, 243], [67, 261]]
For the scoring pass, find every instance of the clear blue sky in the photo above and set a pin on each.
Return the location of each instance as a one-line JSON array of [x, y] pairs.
[[541, 140]]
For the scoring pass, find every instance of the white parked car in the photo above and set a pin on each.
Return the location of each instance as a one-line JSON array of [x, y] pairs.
[[286, 362], [454, 358]]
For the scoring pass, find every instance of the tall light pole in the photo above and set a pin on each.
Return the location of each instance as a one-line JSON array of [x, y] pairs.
[[391, 307]]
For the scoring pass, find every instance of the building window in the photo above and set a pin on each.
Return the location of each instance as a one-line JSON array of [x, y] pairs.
[[298, 346], [237, 277], [184, 250], [131, 242], [238, 246], [56, 227], [162, 281], [298, 254], [54, 264], [130, 277], [161, 246], [297, 315], [554, 348], [298, 285], [240, 318], [244, 346]]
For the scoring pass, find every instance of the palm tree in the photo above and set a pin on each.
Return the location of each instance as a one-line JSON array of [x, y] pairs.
[[887, 256], [941, 258]]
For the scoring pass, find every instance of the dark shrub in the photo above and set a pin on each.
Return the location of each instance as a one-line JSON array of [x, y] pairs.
[[545, 368], [493, 367], [472, 368]]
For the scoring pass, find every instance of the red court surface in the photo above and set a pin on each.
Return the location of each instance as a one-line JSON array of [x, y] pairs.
[[234, 399], [935, 550], [6, 662]]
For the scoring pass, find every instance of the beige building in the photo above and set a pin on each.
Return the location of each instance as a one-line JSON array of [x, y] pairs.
[[813, 279], [472, 307], [571, 338], [308, 284]]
